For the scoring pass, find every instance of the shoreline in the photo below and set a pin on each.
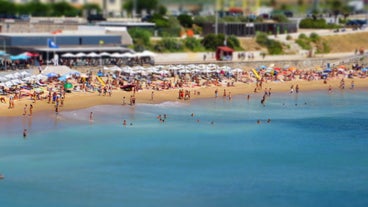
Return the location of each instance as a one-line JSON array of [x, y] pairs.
[[83, 100]]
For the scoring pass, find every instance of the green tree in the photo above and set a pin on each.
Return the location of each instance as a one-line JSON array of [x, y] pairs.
[[162, 10], [147, 5], [141, 38], [38, 9], [92, 8], [63, 9], [212, 41], [185, 20], [7, 7]]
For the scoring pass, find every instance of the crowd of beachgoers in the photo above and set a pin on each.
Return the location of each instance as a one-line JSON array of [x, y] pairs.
[[53, 83]]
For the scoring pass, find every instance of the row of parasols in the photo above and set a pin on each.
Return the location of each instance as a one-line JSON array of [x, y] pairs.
[[106, 54]]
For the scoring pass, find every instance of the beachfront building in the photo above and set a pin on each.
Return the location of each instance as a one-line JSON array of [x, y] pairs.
[[109, 7], [49, 46]]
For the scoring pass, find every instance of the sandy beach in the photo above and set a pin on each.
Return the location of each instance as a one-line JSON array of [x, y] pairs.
[[79, 100]]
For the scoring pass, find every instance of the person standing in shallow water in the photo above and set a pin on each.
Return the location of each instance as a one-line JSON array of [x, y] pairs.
[[25, 133]]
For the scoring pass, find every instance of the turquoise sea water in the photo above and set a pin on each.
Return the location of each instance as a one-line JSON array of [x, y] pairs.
[[314, 152]]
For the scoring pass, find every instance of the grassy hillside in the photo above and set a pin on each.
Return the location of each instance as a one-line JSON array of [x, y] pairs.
[[337, 43], [348, 42]]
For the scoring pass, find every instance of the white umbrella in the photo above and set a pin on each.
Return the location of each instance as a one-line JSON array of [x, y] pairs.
[[93, 54], [68, 55], [237, 70], [81, 54], [3, 78], [9, 76], [145, 54], [115, 54], [25, 73], [17, 75], [127, 55], [9, 84], [105, 54]]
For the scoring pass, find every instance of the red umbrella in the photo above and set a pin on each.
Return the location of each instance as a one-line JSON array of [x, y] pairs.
[[30, 54]]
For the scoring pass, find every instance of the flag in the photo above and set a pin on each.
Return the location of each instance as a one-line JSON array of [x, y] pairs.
[[52, 44]]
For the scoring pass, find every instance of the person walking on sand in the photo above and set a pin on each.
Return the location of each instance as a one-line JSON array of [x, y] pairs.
[[25, 110], [152, 93], [30, 109], [291, 89], [91, 116]]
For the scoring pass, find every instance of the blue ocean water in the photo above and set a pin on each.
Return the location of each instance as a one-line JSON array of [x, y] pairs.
[[313, 152]]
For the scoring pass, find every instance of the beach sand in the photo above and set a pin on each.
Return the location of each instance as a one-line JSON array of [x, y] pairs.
[[79, 100]]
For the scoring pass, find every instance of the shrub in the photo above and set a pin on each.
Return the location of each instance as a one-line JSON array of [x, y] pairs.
[[193, 44], [274, 47], [141, 38], [302, 36], [212, 41], [303, 43], [233, 42], [314, 37], [169, 45], [316, 24], [289, 37]]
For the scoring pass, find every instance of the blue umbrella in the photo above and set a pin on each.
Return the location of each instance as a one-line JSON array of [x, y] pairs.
[[327, 70], [51, 75], [19, 57], [62, 78]]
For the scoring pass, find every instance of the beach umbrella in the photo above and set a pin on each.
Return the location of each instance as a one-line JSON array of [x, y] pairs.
[[68, 85], [27, 79], [3, 78], [25, 73], [93, 55], [67, 55], [63, 78], [17, 75], [115, 54], [51, 75], [105, 54], [328, 70], [40, 77], [80, 54], [10, 76], [9, 84]]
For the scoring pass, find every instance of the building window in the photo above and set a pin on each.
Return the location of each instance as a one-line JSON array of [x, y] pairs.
[[112, 1]]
